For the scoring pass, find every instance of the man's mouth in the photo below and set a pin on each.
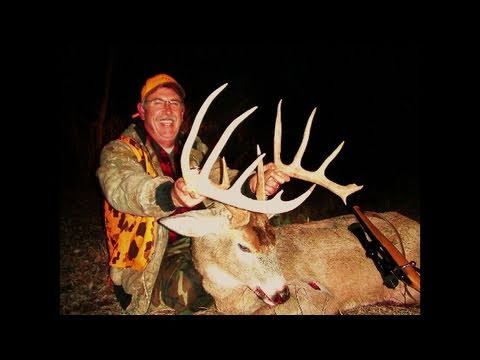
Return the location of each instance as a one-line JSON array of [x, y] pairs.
[[166, 122]]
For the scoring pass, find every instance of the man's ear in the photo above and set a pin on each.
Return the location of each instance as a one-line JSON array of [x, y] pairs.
[[197, 223], [141, 110]]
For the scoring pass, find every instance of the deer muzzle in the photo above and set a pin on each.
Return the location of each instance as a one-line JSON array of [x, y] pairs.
[[281, 296], [278, 298]]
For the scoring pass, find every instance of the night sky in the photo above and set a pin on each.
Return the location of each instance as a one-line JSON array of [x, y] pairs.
[[368, 94]]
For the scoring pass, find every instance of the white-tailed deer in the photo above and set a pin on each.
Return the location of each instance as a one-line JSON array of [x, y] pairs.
[[248, 266]]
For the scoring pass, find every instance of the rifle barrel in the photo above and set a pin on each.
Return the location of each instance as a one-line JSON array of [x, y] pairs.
[[396, 255]]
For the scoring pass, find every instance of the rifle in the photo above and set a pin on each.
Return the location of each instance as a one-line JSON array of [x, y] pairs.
[[392, 264]]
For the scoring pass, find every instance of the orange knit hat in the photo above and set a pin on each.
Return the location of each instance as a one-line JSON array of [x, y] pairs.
[[161, 80]]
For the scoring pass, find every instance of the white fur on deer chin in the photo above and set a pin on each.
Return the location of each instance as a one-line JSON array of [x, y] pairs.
[[217, 275]]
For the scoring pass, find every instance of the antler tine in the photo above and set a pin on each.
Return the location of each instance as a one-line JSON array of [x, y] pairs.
[[225, 184], [295, 169], [200, 182], [246, 173], [207, 167], [277, 138], [260, 193], [306, 135], [190, 175], [187, 173]]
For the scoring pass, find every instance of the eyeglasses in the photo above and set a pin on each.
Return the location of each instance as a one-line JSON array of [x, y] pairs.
[[157, 102]]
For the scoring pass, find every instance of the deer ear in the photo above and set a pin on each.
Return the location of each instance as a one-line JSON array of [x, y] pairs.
[[196, 223]]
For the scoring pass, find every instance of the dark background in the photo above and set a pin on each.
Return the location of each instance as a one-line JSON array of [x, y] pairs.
[[368, 94]]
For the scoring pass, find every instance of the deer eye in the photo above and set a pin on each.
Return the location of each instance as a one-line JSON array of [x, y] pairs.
[[244, 248]]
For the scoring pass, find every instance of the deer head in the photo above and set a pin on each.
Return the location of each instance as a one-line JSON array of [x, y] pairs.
[[233, 248], [234, 243]]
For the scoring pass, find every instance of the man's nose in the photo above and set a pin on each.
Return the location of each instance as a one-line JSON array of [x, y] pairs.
[[167, 107]]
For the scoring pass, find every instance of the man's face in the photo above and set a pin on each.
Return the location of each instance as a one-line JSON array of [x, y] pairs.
[[162, 112]]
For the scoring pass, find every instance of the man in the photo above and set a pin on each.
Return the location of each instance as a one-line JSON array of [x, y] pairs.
[[141, 180]]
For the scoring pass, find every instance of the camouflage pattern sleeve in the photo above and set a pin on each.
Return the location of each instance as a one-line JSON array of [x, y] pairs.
[[125, 183]]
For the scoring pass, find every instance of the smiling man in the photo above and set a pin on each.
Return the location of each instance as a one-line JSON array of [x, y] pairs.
[[141, 180]]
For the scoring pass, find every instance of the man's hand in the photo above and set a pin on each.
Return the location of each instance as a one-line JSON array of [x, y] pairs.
[[273, 179], [181, 197]]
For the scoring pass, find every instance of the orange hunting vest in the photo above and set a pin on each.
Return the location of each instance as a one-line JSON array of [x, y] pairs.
[[131, 238]]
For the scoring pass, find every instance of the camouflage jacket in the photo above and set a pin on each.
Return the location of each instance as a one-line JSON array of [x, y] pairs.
[[130, 191]]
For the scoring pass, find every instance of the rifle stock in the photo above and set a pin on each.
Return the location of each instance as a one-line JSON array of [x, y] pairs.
[[400, 260]]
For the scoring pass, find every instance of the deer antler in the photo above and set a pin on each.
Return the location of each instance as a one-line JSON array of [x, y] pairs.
[[200, 182], [260, 193], [295, 169]]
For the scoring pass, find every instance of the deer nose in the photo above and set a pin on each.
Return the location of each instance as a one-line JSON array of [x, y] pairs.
[[282, 296]]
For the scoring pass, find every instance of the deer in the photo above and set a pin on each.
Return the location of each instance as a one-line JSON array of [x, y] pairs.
[[251, 267]]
